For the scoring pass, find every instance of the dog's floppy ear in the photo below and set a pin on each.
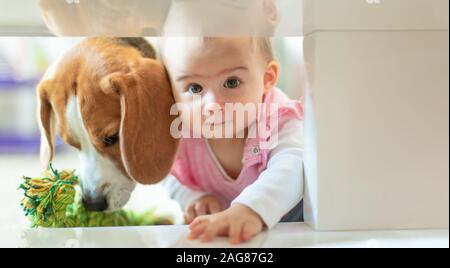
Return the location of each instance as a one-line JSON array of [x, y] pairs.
[[46, 119], [147, 147]]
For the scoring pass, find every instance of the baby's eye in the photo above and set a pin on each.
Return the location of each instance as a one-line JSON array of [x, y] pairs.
[[195, 89], [232, 83]]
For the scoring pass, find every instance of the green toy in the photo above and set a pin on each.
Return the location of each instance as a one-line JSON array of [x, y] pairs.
[[53, 200]]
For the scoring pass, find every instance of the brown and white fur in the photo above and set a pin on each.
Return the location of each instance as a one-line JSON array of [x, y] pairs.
[[110, 99]]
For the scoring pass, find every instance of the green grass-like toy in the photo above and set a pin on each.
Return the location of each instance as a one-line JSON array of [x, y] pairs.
[[53, 200]]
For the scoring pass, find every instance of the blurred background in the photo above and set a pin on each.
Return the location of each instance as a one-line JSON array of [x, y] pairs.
[[23, 61]]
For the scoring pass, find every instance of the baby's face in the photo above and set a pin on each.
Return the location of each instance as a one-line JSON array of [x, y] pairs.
[[207, 74]]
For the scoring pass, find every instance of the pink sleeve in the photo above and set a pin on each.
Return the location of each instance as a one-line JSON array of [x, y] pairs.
[[288, 108], [181, 168], [293, 109]]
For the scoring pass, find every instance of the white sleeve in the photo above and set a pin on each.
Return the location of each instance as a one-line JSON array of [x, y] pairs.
[[279, 188], [180, 193]]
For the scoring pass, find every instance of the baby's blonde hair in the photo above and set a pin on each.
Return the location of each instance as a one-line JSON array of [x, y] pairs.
[[263, 44]]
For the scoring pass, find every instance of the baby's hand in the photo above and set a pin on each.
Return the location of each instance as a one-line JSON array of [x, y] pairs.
[[239, 223], [205, 205]]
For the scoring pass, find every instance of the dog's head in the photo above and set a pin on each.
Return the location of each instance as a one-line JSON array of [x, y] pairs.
[[110, 99]]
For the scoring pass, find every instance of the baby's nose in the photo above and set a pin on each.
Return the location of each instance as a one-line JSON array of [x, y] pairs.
[[211, 108], [211, 103]]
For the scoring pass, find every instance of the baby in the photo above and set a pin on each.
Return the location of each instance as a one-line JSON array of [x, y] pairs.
[[248, 174]]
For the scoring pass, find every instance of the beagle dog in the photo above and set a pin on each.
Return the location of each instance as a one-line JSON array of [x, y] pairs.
[[110, 99]]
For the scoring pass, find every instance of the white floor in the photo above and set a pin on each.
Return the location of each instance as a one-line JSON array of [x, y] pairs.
[[14, 231], [283, 235]]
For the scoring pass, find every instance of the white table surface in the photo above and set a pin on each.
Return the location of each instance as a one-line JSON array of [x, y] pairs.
[[283, 235], [14, 231]]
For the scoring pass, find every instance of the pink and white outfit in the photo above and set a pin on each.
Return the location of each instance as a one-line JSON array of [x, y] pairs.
[[271, 180]]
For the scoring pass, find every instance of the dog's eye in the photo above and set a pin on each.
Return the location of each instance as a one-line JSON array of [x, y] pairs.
[[111, 140]]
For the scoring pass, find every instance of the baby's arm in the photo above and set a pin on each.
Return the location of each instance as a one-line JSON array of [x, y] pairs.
[[193, 203], [280, 187], [277, 190]]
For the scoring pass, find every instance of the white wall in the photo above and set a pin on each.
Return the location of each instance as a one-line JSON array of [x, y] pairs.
[[377, 120]]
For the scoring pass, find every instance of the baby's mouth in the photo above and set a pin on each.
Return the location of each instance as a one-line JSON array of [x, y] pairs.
[[213, 120]]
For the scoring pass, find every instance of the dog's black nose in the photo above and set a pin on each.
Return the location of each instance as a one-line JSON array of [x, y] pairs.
[[100, 204]]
